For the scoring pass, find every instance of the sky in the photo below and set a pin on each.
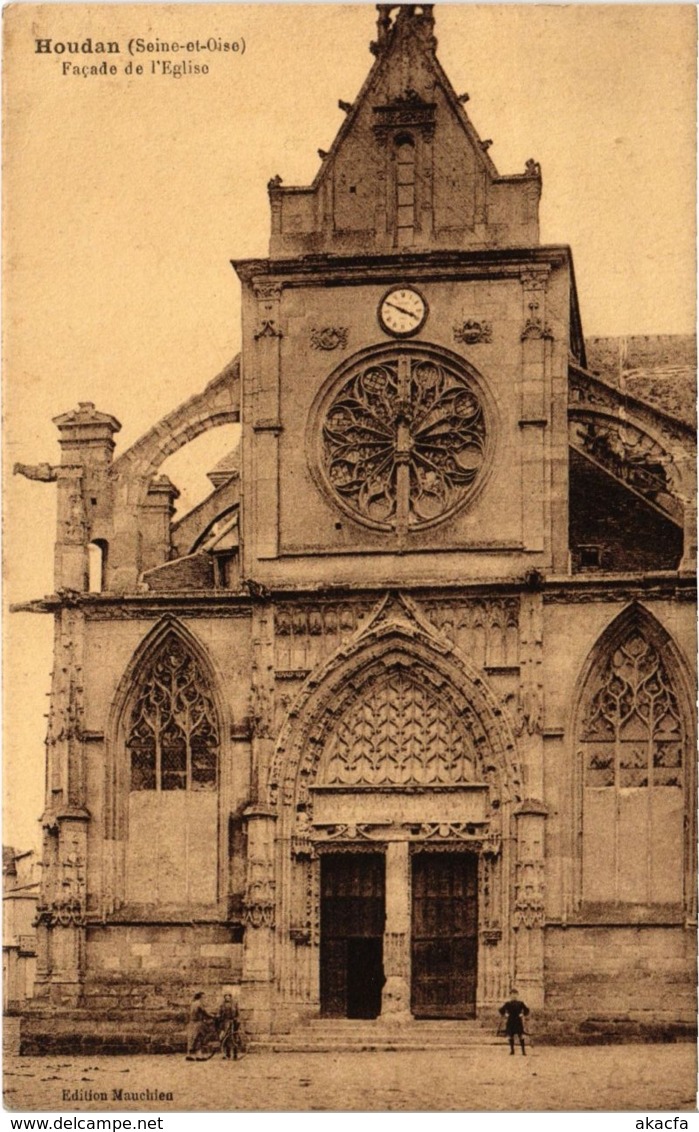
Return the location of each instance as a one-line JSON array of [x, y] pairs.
[[126, 196]]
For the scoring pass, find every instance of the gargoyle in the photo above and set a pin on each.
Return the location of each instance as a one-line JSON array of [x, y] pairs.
[[46, 473]]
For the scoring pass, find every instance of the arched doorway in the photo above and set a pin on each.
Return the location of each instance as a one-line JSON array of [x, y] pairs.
[[396, 780]]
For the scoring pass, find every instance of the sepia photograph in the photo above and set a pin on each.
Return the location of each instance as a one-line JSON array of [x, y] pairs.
[[349, 558]]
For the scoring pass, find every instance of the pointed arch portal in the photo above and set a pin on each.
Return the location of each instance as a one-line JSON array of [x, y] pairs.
[[396, 780]]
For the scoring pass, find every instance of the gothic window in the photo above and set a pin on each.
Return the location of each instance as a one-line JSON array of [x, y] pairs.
[[631, 740], [405, 191], [173, 752], [632, 732], [173, 735], [404, 439]]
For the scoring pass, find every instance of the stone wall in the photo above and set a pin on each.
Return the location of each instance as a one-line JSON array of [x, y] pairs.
[[634, 976]]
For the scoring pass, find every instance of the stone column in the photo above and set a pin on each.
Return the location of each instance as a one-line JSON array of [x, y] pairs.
[[689, 549], [529, 908], [86, 437], [62, 903], [534, 409], [395, 1002], [266, 426], [259, 916], [156, 519]]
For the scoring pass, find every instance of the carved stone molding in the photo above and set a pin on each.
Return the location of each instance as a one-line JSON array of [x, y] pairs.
[[259, 901], [267, 292], [68, 913], [534, 284], [329, 337], [267, 328], [407, 110], [305, 634], [63, 900], [472, 331], [529, 894], [535, 279], [485, 629], [258, 906]]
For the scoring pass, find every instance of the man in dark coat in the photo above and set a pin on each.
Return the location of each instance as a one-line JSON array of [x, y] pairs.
[[196, 1028], [515, 1012]]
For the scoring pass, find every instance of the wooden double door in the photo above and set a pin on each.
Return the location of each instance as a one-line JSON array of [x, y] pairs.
[[443, 943]]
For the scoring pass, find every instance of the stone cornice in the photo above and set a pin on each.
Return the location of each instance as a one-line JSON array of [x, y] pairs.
[[554, 588], [344, 270]]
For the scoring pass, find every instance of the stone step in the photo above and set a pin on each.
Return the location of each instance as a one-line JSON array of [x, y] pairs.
[[350, 1035]]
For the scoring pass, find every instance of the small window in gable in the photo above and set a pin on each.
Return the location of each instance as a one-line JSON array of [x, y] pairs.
[[405, 190]]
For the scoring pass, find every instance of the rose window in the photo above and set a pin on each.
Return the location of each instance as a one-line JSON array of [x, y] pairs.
[[404, 441]]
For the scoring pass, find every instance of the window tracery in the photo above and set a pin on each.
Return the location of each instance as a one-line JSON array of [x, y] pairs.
[[173, 734], [404, 440], [632, 730], [634, 782]]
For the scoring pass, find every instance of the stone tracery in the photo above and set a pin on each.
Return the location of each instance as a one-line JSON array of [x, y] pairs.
[[632, 729], [398, 734], [403, 440]]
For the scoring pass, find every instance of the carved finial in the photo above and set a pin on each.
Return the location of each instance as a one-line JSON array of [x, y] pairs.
[[374, 48], [383, 24], [274, 182], [322, 153], [532, 168], [346, 106], [485, 145], [463, 98]]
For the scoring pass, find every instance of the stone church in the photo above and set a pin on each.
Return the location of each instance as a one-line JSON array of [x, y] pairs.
[[401, 714]]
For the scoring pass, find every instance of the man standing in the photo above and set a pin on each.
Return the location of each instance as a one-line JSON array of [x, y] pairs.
[[516, 1011], [196, 1028]]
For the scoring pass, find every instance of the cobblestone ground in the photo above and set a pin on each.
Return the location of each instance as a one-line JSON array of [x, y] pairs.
[[476, 1079]]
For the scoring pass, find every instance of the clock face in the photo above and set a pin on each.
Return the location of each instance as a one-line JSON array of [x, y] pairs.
[[402, 312]]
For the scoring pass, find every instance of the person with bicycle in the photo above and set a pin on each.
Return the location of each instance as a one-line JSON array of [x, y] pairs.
[[228, 1025]]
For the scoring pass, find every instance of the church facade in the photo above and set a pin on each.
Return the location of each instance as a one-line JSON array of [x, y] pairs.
[[402, 713]]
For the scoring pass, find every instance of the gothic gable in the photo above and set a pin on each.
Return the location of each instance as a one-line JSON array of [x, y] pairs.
[[407, 168]]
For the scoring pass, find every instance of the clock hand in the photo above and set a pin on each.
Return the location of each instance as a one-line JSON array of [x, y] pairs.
[[403, 310]]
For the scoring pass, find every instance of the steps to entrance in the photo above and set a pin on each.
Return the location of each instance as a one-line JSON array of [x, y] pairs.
[[344, 1035]]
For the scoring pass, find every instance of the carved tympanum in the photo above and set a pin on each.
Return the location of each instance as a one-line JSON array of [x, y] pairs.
[[404, 440], [399, 733]]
